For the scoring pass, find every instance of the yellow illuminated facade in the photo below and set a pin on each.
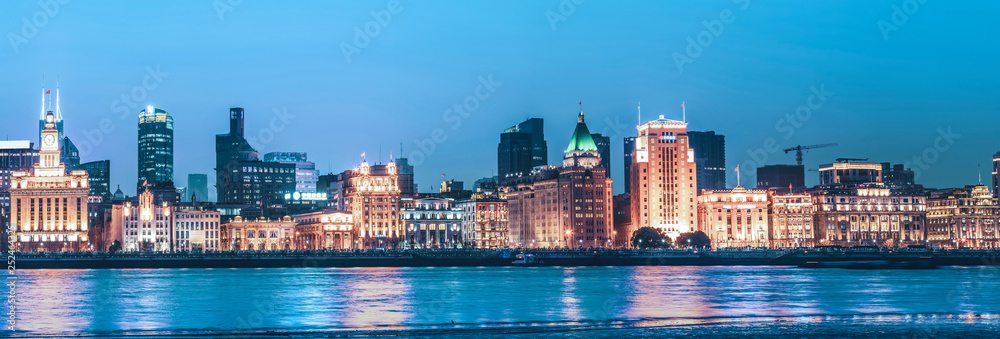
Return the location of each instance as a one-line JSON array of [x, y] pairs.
[[791, 220], [325, 230], [145, 226], [964, 218], [873, 216], [373, 200], [49, 207], [258, 235], [734, 218], [664, 177]]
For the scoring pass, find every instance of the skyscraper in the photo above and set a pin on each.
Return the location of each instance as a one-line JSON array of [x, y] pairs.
[[15, 156], [780, 177], [996, 175], [604, 148], [198, 186], [156, 148], [99, 174], [306, 174], [70, 154], [710, 159], [522, 147], [629, 151], [407, 186], [664, 178], [231, 147]]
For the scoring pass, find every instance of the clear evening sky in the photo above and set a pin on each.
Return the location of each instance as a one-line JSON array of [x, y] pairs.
[[893, 78]]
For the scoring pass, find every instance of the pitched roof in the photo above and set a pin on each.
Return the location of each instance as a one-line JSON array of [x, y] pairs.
[[581, 139]]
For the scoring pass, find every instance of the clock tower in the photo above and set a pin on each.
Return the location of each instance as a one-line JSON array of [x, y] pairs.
[[49, 162]]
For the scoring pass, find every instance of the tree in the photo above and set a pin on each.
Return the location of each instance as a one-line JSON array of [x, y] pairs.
[[648, 237], [694, 239], [115, 246]]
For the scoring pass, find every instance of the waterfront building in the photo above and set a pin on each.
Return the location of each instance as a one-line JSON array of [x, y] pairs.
[[258, 235], [664, 177], [306, 174], [850, 174], [156, 148], [781, 178], [868, 215], [732, 218], [196, 230], [15, 156], [484, 220], [709, 158], [522, 147], [964, 218], [145, 223], [563, 206], [604, 149], [324, 230], [622, 220], [197, 187], [372, 195], [431, 222], [99, 174], [231, 147], [48, 206], [791, 220]]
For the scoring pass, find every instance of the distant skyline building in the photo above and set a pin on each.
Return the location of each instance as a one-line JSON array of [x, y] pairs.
[[710, 159], [198, 186], [156, 148], [407, 184], [850, 174], [522, 147], [15, 156], [780, 177], [230, 147], [70, 154], [898, 177], [664, 178], [604, 149], [57, 117], [99, 174], [996, 174], [629, 152], [306, 174]]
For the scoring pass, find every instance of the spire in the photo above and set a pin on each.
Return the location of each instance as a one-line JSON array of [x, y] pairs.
[[58, 111], [42, 116], [581, 139]]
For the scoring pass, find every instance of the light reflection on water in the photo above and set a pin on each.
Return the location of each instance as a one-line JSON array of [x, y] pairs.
[[96, 301]]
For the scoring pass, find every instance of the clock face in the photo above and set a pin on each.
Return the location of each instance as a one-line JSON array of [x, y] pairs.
[[50, 140]]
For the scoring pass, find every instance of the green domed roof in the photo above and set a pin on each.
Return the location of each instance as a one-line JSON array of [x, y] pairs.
[[581, 139]]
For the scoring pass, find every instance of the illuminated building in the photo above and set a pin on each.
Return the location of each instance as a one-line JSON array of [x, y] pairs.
[[450, 186], [522, 147], [99, 173], [324, 230], [196, 230], [145, 223], [15, 156], [156, 148], [258, 235], [848, 174], [306, 174], [256, 183], [791, 220], [567, 206], [732, 218], [372, 196], [996, 175], [664, 177], [431, 222], [49, 207], [964, 218], [484, 220], [897, 177], [868, 215], [709, 158]]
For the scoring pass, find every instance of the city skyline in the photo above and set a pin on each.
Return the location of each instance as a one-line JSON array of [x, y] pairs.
[[890, 96]]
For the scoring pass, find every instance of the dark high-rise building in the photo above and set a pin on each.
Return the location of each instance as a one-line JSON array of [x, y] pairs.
[[156, 147], [629, 148], [46, 94], [18, 155], [305, 170], [604, 148], [198, 186], [996, 174], [70, 154], [257, 183], [781, 176], [407, 186], [522, 147], [231, 147], [897, 177], [99, 178], [710, 159]]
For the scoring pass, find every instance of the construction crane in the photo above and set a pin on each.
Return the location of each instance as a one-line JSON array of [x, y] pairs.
[[798, 150]]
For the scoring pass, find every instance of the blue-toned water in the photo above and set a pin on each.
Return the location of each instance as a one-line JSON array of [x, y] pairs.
[[306, 299]]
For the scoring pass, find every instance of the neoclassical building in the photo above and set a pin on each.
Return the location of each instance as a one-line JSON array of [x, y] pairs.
[[484, 220], [432, 222], [258, 235], [325, 230], [964, 217], [145, 225], [49, 207], [372, 194], [868, 215], [196, 230], [734, 218], [664, 177], [791, 220]]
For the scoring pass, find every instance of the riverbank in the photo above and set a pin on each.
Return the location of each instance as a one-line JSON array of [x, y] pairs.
[[458, 258]]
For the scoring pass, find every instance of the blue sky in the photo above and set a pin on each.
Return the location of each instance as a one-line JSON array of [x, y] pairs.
[[888, 99]]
